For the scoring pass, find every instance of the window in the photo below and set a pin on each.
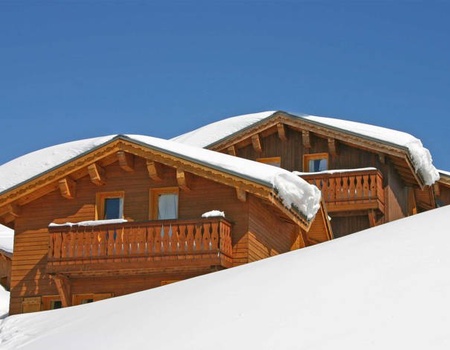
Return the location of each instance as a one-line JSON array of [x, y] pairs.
[[109, 205], [164, 203], [315, 162], [51, 302], [79, 299], [275, 161]]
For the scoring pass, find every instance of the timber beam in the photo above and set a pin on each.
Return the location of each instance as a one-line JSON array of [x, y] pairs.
[[64, 289], [332, 146], [10, 209], [306, 139], [155, 171], [256, 142], [67, 187], [232, 150], [241, 194], [281, 132], [97, 174], [126, 161], [182, 180]]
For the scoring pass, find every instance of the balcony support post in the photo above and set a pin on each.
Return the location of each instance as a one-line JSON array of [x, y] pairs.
[[64, 289]]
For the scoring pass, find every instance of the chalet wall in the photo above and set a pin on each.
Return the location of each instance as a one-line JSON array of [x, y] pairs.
[[396, 196], [444, 195], [267, 235], [345, 225], [292, 150]]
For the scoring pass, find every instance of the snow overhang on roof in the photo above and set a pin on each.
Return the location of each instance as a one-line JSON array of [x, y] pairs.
[[295, 194], [218, 133]]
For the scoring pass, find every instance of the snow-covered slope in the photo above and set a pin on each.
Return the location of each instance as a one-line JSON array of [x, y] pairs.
[[383, 288], [420, 156]]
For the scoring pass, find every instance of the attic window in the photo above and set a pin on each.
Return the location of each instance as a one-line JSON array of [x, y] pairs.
[[315, 162], [275, 161], [110, 205]]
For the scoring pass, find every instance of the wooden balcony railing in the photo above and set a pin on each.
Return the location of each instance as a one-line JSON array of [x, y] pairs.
[[357, 190], [169, 244]]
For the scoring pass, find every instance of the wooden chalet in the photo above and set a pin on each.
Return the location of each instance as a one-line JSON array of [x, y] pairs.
[[365, 180], [125, 214]]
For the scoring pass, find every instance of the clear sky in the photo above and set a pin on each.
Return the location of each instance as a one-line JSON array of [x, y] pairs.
[[79, 69]]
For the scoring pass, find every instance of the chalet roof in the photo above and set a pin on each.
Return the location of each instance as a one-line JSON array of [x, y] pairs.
[[215, 134], [292, 192]]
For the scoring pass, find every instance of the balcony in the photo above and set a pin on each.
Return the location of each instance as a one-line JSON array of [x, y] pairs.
[[140, 247], [350, 191]]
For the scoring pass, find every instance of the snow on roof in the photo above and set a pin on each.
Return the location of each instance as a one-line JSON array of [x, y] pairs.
[[6, 239], [36, 163], [294, 192], [420, 156], [209, 134], [443, 172], [383, 288]]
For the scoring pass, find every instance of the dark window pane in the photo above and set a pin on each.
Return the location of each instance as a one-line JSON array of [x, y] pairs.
[[113, 208]]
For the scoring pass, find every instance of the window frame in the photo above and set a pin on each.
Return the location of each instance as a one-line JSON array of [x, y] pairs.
[[269, 160], [100, 203], [154, 194], [49, 300], [314, 156]]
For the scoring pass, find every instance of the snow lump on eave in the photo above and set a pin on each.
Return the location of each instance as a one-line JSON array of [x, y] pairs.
[[294, 192]]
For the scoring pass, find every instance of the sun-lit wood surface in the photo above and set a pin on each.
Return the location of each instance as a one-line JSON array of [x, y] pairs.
[[140, 246], [352, 190]]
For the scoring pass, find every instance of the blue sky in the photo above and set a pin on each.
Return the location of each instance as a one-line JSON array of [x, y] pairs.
[[79, 69]]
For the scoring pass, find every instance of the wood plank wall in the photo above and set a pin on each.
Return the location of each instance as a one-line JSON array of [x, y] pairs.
[[268, 235]]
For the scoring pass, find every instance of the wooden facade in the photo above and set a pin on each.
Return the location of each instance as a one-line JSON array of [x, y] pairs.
[[373, 182], [64, 264]]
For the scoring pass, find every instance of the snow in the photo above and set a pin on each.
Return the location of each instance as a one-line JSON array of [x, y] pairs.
[[4, 305], [35, 163], [334, 171], [90, 223], [221, 129], [6, 239], [213, 213], [443, 172], [420, 156], [383, 288], [304, 197]]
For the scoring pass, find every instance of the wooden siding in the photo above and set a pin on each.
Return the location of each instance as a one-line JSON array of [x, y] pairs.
[[268, 235], [345, 225]]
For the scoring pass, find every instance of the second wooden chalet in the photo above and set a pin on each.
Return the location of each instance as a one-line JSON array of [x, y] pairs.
[[368, 175], [109, 216]]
